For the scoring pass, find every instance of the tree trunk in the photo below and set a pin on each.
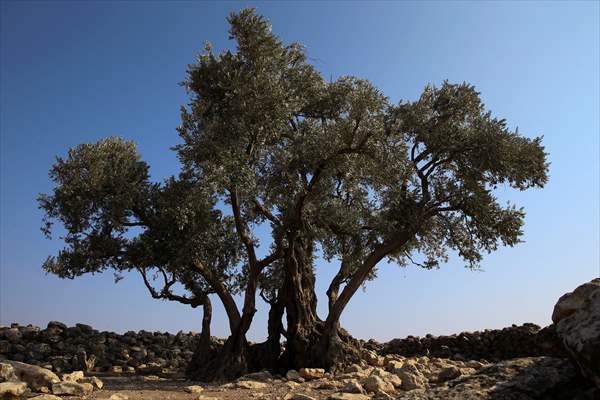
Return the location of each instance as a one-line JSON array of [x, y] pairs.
[[303, 324]]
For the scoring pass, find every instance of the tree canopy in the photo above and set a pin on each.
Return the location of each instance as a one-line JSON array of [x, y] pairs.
[[328, 165]]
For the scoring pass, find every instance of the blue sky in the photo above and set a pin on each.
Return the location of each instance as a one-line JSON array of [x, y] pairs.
[[75, 72]]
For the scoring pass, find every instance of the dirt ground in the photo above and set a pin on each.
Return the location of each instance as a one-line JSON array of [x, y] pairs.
[[174, 389]]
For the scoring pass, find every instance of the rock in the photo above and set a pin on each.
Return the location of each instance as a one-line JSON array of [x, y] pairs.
[[36, 377], [75, 376], [449, 373], [579, 328], [194, 389], [352, 386], [293, 375], [532, 378], [375, 384], [411, 377], [570, 302], [262, 376], [250, 385], [47, 397], [348, 396], [118, 397], [12, 389], [297, 396], [72, 388], [7, 373], [94, 381], [311, 373]]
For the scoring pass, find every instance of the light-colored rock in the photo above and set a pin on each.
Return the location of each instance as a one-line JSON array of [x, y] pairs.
[[7, 373], [298, 396], [194, 389], [348, 396], [311, 373], [372, 358], [352, 386], [10, 390], [250, 385], [411, 377], [532, 378], [570, 302], [580, 330], [72, 388], [117, 396], [47, 397], [94, 381], [293, 375], [375, 384], [36, 377], [393, 379], [74, 376]]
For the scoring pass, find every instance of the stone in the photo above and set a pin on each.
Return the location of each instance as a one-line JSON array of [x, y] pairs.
[[531, 378], [36, 377], [74, 376], [94, 381], [298, 396], [250, 385], [194, 389], [411, 377], [293, 375], [7, 373], [348, 396], [72, 388], [580, 330], [261, 376], [375, 384], [352, 386], [449, 373], [12, 389], [570, 302], [311, 373], [117, 396], [47, 397]]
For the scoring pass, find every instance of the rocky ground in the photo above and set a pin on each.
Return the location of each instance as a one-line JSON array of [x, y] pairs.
[[558, 362]]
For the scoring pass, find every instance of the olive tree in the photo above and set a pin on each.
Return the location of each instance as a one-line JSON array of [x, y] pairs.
[[332, 167]]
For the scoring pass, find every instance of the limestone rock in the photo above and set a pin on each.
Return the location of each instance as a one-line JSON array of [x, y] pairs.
[[250, 385], [311, 373], [348, 396], [297, 396], [35, 377], [532, 378], [47, 397], [74, 376], [10, 390], [194, 389], [411, 377], [580, 330], [94, 381], [72, 388], [570, 302], [7, 373], [352, 386], [375, 384]]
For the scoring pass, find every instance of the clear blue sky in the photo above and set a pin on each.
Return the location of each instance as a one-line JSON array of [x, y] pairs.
[[74, 72]]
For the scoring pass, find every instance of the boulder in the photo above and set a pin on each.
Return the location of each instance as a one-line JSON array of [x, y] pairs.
[[72, 388], [9, 390], [47, 397], [375, 384], [532, 378], [36, 377], [570, 302], [74, 376], [311, 373], [579, 328], [94, 381], [7, 373]]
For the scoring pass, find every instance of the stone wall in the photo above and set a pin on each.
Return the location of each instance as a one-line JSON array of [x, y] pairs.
[[81, 347], [527, 340]]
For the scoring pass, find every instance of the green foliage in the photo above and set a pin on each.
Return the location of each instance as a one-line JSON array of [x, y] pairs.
[[333, 163]]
